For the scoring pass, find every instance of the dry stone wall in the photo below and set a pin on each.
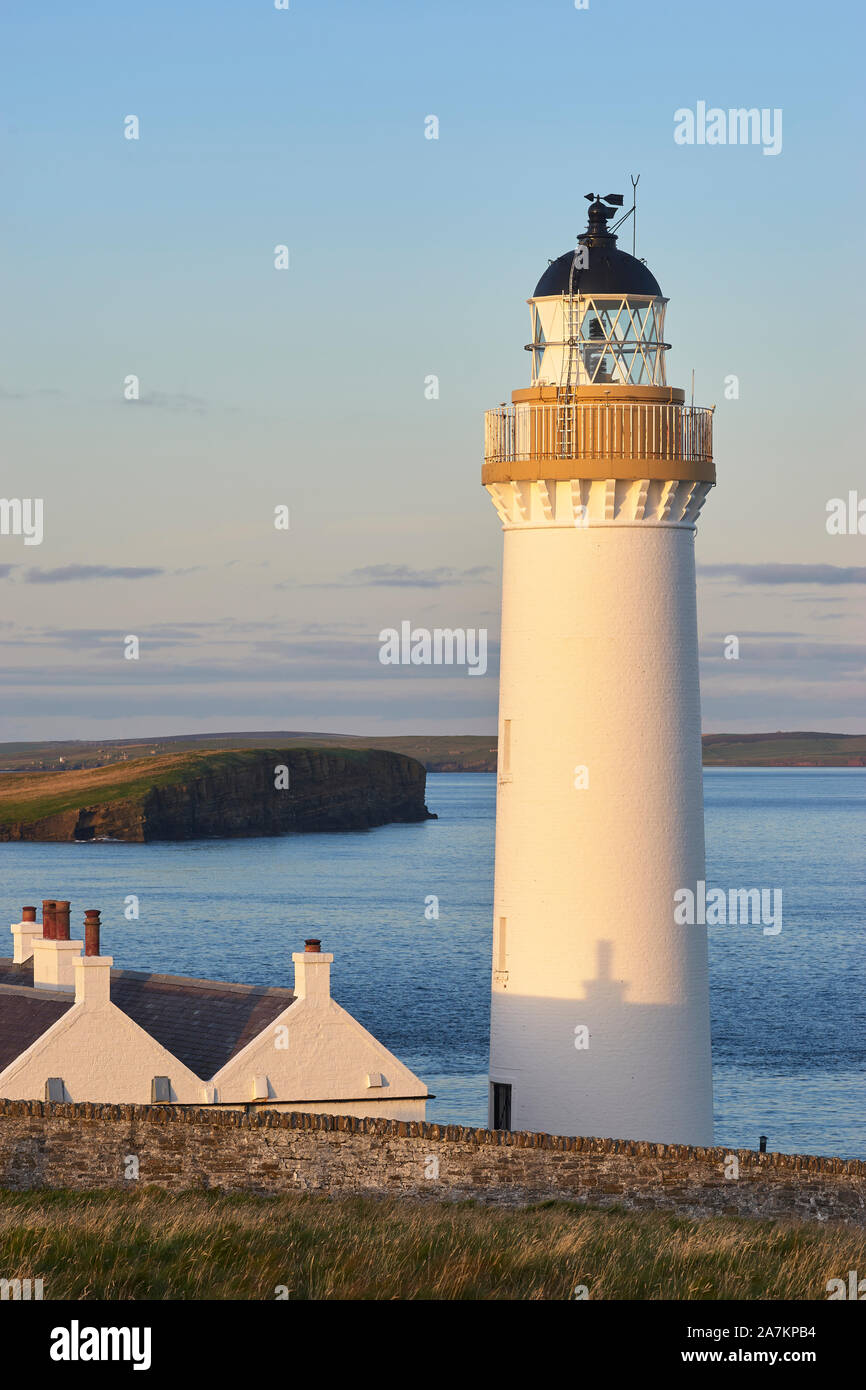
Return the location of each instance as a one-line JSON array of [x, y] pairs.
[[89, 1146]]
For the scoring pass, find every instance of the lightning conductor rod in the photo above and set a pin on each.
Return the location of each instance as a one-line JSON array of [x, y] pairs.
[[632, 213]]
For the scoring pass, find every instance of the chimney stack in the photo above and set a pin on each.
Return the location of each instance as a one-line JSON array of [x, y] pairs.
[[92, 971], [54, 955], [24, 933], [312, 973]]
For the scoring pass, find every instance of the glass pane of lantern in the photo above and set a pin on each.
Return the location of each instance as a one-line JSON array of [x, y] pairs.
[[620, 324]]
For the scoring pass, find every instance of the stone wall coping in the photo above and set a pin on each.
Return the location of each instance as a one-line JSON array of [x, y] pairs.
[[259, 1118]]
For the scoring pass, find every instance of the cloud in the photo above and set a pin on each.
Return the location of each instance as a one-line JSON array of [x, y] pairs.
[[29, 395], [711, 637], [172, 400], [64, 709], [403, 577], [788, 574], [67, 574], [820, 661], [195, 655]]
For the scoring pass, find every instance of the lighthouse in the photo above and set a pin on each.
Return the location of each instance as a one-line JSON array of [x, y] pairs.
[[598, 471]]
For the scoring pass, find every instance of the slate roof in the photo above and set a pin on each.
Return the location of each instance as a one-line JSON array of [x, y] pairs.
[[24, 1016], [203, 1023], [12, 974]]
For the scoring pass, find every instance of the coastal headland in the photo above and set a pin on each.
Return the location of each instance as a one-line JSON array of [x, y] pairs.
[[200, 794]]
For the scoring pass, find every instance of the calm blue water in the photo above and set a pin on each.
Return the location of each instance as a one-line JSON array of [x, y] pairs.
[[789, 1012]]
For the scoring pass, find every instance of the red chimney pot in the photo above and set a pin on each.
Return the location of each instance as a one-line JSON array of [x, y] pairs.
[[28, 914], [48, 909], [91, 932], [61, 920], [313, 945]]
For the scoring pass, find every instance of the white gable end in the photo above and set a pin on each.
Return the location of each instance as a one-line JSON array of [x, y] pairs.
[[317, 1052]]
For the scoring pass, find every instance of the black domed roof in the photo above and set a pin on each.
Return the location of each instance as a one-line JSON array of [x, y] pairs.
[[610, 271]]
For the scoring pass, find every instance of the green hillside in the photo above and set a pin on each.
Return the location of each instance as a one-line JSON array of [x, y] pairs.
[[438, 752]]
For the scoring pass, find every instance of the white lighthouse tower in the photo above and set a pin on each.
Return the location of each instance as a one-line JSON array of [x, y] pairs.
[[600, 1009]]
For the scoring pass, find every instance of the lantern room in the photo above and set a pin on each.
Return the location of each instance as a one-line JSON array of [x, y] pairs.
[[598, 313]]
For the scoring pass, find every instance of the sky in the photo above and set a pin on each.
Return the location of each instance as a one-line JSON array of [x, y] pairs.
[[408, 258]]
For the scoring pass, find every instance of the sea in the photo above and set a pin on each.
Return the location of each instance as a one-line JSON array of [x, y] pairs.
[[407, 912]]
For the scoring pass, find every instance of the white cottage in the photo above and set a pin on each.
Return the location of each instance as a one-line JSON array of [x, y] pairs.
[[72, 1028]]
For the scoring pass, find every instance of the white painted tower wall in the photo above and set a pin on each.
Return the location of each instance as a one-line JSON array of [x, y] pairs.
[[599, 670]]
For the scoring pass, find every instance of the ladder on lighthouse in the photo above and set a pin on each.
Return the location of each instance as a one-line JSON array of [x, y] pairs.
[[566, 405]]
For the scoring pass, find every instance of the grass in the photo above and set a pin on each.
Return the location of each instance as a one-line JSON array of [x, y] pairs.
[[150, 1244], [768, 750], [438, 752]]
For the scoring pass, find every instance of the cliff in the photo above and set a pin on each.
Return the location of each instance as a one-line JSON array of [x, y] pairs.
[[209, 795]]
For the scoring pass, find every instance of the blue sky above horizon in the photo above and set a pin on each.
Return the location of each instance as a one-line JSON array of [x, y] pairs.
[[408, 257]]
